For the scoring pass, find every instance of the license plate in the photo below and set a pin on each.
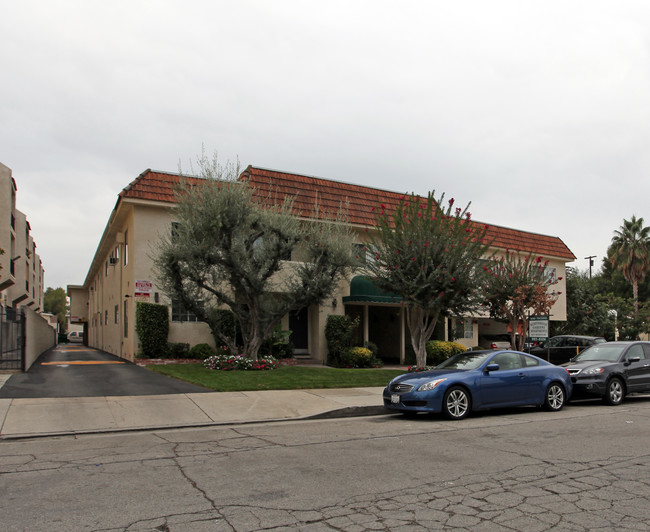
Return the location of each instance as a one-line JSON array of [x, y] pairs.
[[394, 399]]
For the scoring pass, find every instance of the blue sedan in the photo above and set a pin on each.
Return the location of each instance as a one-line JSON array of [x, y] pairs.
[[480, 380]]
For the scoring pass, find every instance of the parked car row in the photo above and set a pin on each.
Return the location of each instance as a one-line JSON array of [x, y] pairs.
[[562, 348], [497, 378], [611, 370], [557, 350]]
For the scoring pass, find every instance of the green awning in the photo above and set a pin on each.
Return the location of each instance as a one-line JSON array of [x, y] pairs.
[[363, 289]]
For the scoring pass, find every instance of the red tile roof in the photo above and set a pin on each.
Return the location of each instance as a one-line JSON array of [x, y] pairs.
[[358, 200]]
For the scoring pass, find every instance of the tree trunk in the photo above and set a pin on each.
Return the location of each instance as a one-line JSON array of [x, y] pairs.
[[421, 325]]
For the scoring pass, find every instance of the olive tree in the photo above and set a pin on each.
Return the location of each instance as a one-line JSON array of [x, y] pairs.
[[231, 248]]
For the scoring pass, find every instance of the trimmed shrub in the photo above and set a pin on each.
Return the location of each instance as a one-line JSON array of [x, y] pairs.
[[177, 350], [438, 351], [278, 345], [338, 334], [373, 347], [152, 326], [201, 352], [359, 357]]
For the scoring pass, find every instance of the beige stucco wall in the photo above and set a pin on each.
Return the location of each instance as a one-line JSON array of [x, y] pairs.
[[138, 226], [7, 236], [39, 336]]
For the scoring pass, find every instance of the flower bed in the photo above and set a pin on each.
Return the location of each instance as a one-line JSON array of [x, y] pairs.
[[238, 362]]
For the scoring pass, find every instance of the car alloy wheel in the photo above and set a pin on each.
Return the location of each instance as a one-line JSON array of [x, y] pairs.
[[554, 398], [456, 403], [615, 392]]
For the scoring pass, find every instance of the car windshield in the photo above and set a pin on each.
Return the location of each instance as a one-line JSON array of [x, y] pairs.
[[609, 353], [468, 360]]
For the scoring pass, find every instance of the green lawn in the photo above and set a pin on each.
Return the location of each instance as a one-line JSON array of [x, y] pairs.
[[282, 378]]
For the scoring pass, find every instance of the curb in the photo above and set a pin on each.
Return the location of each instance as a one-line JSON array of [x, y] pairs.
[[346, 412]]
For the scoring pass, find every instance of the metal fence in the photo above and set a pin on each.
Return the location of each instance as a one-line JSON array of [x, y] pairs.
[[12, 339]]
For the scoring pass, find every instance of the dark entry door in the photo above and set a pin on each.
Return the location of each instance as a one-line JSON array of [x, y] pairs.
[[299, 326]]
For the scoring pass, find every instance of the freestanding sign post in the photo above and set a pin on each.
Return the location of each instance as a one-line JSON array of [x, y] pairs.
[[538, 331]]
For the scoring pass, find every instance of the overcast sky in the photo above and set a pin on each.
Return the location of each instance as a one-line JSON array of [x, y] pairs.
[[538, 112]]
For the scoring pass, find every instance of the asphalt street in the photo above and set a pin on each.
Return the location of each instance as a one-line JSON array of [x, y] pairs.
[[585, 469], [73, 370]]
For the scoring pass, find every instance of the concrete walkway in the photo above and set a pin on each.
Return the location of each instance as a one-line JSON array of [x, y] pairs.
[[37, 417]]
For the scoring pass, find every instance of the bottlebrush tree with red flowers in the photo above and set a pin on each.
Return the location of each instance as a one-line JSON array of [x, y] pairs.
[[428, 252], [518, 286]]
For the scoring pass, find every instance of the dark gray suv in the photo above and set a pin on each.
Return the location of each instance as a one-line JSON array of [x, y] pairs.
[[561, 349]]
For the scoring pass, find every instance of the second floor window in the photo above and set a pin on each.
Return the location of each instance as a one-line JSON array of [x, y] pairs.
[[180, 313]]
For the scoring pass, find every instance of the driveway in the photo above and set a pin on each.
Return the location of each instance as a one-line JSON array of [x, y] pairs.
[[71, 370]]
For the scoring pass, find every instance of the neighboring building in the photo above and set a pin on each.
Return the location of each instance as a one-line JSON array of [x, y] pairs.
[[22, 274], [121, 271]]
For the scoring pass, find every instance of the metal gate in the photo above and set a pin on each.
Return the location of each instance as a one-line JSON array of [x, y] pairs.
[[12, 339]]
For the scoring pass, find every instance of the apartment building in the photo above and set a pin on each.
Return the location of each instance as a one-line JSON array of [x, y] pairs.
[[22, 273], [121, 274]]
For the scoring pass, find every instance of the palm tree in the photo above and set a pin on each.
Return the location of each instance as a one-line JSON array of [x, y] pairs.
[[630, 253]]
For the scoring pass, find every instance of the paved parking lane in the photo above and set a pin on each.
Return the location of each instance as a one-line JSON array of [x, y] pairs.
[[79, 371]]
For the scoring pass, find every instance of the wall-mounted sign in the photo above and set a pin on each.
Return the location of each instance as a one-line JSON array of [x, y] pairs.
[[143, 289]]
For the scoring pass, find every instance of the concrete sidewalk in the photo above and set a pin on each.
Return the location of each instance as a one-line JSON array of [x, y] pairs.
[[24, 418]]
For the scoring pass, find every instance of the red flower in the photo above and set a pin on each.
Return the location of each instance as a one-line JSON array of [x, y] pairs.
[[451, 202]]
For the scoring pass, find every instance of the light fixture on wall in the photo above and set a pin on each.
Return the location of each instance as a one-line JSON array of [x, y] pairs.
[[334, 303]]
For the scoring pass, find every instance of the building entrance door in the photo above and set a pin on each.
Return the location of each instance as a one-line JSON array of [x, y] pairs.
[[299, 326]]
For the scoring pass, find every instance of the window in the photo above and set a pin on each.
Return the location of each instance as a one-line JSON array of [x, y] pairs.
[[174, 231], [180, 313], [361, 254], [507, 361], [530, 361], [106, 317], [636, 350], [126, 320], [464, 329], [117, 314], [126, 247], [550, 274]]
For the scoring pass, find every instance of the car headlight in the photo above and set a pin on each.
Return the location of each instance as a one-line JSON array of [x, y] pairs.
[[427, 386], [593, 371]]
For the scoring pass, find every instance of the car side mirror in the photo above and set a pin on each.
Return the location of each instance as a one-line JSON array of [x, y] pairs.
[[492, 367], [631, 360]]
